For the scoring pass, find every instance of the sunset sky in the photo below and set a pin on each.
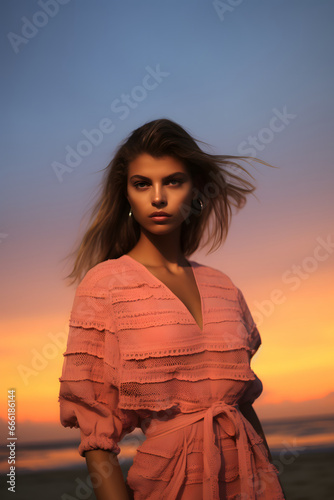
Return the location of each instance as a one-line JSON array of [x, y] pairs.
[[255, 79]]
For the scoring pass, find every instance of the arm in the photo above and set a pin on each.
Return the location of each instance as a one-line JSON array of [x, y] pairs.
[[248, 412], [107, 477], [89, 393]]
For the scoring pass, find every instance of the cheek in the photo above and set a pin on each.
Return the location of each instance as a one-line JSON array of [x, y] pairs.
[[185, 195], [140, 203], [135, 198], [183, 202]]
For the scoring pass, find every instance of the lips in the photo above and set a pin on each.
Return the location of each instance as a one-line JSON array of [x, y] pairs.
[[160, 214]]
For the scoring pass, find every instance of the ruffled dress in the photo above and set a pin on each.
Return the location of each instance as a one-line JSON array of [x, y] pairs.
[[136, 357]]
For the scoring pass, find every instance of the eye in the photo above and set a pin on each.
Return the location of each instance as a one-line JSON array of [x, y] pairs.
[[178, 181], [136, 185], [140, 184]]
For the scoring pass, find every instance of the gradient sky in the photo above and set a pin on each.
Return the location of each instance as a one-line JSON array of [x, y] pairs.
[[226, 76]]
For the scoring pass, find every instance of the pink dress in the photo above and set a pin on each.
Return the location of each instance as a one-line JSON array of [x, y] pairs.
[[137, 358]]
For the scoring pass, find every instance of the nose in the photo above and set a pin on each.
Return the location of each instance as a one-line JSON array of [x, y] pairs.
[[159, 196]]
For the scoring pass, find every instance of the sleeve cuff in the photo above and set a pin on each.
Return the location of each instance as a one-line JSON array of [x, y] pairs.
[[92, 443]]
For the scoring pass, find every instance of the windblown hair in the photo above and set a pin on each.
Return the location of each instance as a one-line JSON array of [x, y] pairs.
[[216, 178]]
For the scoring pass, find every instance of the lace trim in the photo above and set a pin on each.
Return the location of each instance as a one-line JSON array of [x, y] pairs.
[[128, 297], [149, 323], [158, 313], [125, 325], [132, 295], [206, 364], [204, 373], [146, 322], [68, 379], [89, 291], [201, 346], [152, 378], [89, 324], [99, 372], [155, 285], [99, 325], [145, 406], [82, 351]]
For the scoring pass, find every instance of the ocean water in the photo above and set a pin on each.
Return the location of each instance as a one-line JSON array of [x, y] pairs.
[[286, 438]]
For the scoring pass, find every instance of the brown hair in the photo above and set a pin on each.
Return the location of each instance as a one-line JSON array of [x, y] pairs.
[[112, 233]]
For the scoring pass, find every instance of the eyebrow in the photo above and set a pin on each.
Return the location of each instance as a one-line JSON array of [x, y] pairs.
[[164, 179]]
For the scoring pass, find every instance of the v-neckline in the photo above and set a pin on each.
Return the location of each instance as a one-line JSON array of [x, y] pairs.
[[173, 294]]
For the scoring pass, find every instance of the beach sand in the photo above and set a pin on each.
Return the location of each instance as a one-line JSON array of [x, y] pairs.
[[309, 476]]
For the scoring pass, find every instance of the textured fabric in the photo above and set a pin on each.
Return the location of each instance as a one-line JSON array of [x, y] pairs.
[[137, 358]]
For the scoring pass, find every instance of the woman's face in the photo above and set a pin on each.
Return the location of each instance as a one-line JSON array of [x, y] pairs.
[[155, 185]]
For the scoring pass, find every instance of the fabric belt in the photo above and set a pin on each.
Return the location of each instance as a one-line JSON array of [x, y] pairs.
[[236, 425]]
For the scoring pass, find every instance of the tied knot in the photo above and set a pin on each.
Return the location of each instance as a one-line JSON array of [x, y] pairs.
[[228, 414]]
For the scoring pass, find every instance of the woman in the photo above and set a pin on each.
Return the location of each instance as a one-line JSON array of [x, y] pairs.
[[160, 342]]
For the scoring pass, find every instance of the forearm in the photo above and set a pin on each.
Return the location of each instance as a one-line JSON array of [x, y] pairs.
[[248, 412], [107, 477]]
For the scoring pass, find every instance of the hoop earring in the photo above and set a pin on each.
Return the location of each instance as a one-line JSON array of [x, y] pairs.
[[194, 206], [201, 204], [130, 213]]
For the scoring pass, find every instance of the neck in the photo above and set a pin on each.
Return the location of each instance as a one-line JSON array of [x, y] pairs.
[[159, 250]]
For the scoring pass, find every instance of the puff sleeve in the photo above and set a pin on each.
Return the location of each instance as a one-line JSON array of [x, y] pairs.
[[254, 387], [89, 384]]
